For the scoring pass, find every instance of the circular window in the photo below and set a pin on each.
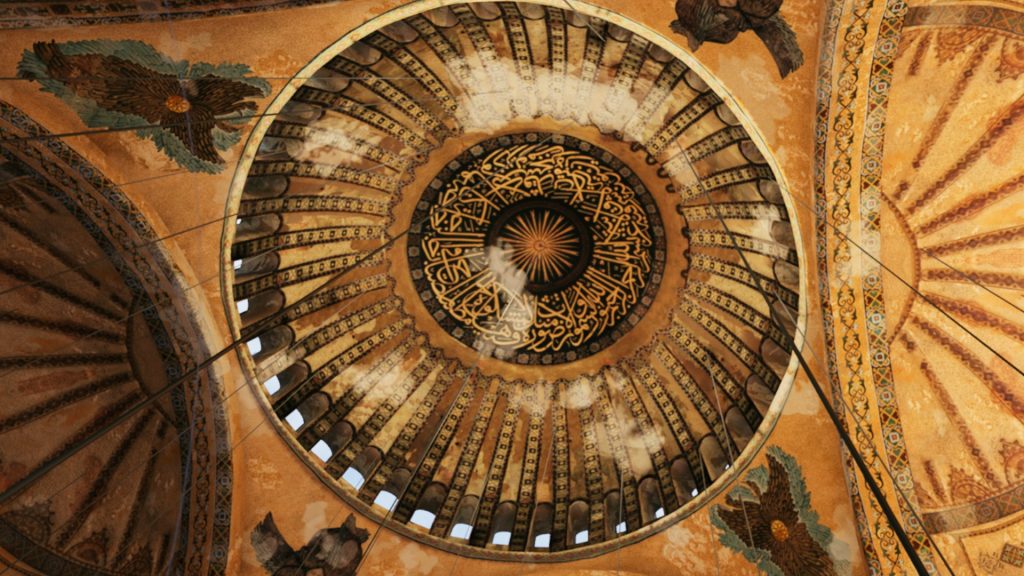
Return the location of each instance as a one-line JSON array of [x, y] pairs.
[[486, 267]]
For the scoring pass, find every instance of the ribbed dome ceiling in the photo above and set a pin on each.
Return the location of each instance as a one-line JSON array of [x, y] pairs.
[[529, 325]]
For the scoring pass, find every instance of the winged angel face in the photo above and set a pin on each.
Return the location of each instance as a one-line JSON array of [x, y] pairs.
[[721, 21]]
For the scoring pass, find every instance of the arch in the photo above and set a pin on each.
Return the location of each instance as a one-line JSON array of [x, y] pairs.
[[393, 489], [683, 480], [760, 394], [282, 384], [272, 342], [615, 522], [301, 112], [787, 275], [263, 187], [738, 427], [398, 480], [429, 503], [362, 467], [250, 227], [249, 268], [462, 523], [260, 306], [714, 458], [339, 436], [775, 356], [502, 524], [308, 412], [651, 505], [579, 523], [543, 523]]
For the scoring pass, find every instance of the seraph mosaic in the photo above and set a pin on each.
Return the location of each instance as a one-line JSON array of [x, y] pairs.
[[768, 518], [331, 552], [191, 111], [721, 21]]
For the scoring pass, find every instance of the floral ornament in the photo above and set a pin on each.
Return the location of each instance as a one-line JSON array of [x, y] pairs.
[[190, 111], [768, 518]]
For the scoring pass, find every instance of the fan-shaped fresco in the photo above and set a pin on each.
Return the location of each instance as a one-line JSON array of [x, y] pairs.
[[94, 325]]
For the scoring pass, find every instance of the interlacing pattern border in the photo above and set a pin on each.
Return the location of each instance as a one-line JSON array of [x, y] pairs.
[[849, 335]]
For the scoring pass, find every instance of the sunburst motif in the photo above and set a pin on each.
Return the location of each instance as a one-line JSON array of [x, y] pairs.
[[541, 243]]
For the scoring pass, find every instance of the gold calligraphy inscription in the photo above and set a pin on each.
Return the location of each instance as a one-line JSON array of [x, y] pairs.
[[540, 251]]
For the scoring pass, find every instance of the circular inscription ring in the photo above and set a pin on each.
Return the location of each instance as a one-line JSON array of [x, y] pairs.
[[538, 248]]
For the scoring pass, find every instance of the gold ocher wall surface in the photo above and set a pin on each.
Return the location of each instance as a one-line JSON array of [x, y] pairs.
[[894, 141]]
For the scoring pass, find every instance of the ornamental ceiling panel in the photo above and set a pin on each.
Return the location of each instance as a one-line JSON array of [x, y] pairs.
[[919, 250], [499, 268]]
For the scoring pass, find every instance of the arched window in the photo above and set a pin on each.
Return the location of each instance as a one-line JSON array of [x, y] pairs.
[[502, 523], [579, 523], [266, 186], [280, 385], [739, 429], [260, 306], [272, 385], [426, 509], [395, 486], [683, 480], [270, 342], [651, 506], [309, 411], [760, 394], [256, 226], [322, 451], [255, 346], [462, 524], [774, 356], [333, 441], [714, 458], [540, 533], [614, 515], [339, 436], [300, 112], [787, 274], [246, 268], [362, 467]]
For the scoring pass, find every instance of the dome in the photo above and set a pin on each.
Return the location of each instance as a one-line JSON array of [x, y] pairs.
[[481, 258]]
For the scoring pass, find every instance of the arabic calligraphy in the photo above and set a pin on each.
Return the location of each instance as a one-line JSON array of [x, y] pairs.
[[540, 248]]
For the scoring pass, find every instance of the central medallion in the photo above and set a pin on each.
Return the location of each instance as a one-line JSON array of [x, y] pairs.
[[547, 239], [537, 248]]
